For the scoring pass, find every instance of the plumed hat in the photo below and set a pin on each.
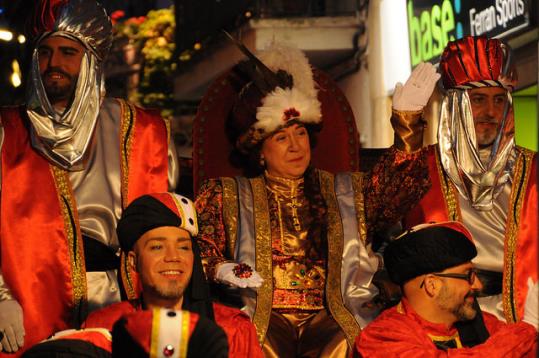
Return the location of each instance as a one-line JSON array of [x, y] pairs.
[[85, 20], [166, 333], [152, 211], [278, 88], [477, 61], [428, 248]]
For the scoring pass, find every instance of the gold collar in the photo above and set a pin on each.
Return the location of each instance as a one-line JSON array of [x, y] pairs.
[[289, 188]]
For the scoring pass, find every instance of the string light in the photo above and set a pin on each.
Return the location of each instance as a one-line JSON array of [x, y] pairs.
[[6, 35], [16, 75], [197, 46], [21, 39], [185, 56]]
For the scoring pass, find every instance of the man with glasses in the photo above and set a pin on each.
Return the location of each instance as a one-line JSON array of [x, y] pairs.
[[438, 315]]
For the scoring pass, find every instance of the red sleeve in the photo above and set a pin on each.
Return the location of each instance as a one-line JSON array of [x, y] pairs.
[[106, 317], [520, 338], [394, 337], [391, 338], [240, 332]]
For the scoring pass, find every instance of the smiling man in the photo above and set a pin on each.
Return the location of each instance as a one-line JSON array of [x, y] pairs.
[[59, 65], [156, 231], [438, 315]]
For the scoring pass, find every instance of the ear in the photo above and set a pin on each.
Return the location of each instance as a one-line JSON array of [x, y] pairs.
[[432, 285], [132, 260]]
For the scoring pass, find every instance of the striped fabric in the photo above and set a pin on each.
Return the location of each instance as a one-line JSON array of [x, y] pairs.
[[475, 62]]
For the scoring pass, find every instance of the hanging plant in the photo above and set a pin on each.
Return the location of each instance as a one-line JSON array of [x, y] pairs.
[[153, 37]]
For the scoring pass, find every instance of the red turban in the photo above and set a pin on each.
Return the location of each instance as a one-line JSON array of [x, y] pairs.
[[45, 14], [476, 61]]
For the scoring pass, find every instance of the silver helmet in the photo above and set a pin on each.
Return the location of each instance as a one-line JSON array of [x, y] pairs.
[[63, 135]]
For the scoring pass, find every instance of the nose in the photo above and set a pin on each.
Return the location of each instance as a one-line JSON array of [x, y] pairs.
[[52, 59], [491, 109], [477, 284], [294, 145], [172, 253]]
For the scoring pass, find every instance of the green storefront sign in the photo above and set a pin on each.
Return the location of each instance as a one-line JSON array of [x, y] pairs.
[[431, 24]]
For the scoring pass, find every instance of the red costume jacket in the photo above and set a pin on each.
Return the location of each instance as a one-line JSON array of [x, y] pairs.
[[42, 258], [441, 203], [240, 332], [401, 332]]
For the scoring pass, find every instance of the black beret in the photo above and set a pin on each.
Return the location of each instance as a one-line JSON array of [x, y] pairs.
[[152, 211], [428, 248]]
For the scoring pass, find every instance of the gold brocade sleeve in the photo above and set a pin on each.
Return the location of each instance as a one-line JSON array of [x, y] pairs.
[[408, 127], [394, 186], [211, 229]]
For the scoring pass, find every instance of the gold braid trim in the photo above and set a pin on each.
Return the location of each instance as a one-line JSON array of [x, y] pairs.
[[263, 257], [127, 281], [74, 242], [230, 213], [455, 337], [449, 192], [186, 321], [335, 241], [127, 126], [169, 138], [359, 204], [167, 126], [520, 183]]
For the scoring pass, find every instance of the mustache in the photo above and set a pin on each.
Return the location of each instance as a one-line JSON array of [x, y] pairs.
[[473, 293], [485, 118], [57, 70]]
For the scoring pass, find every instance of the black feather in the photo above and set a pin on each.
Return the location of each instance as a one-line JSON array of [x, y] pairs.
[[263, 78]]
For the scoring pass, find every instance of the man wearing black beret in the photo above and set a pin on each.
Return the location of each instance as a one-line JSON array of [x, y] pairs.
[[156, 231], [438, 315]]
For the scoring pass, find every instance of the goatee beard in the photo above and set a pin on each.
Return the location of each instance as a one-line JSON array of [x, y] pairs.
[[466, 310]]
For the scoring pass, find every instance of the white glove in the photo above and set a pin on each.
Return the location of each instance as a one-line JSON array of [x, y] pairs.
[[225, 274], [415, 93], [531, 314], [11, 325]]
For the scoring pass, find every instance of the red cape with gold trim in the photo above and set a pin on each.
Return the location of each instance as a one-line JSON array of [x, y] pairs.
[[42, 259]]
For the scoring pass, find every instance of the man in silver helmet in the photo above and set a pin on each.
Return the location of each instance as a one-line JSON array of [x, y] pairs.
[[71, 160], [480, 177]]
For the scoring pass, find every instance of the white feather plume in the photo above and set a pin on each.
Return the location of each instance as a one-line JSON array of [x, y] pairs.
[[303, 97]]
